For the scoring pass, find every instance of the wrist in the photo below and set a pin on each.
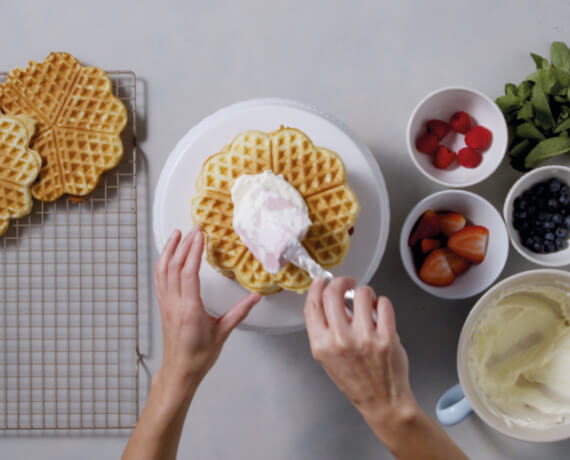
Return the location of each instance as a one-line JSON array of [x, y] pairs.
[[392, 423], [169, 393]]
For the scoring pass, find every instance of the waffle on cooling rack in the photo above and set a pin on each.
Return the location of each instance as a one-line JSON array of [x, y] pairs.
[[79, 122], [19, 167], [319, 176]]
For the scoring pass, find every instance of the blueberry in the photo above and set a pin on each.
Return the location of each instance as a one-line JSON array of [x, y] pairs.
[[564, 190], [567, 222], [560, 243], [531, 210], [564, 200], [561, 232], [549, 246], [522, 215], [548, 225], [517, 223], [538, 247], [552, 204], [549, 236], [554, 185], [557, 219], [528, 242], [542, 215]]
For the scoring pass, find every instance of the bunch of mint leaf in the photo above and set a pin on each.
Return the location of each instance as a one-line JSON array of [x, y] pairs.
[[538, 110]]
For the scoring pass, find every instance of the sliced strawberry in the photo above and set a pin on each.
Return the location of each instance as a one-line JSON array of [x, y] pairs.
[[436, 270], [460, 122], [429, 244], [457, 264], [443, 157], [427, 143], [438, 127], [478, 137], [427, 227], [469, 158], [351, 231], [470, 243], [451, 222]]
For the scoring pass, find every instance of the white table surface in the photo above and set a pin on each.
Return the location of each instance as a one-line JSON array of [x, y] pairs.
[[368, 63]]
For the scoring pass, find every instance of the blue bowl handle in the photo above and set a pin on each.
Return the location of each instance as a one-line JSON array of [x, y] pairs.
[[453, 407]]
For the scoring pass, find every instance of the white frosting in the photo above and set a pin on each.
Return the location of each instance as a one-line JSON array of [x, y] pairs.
[[269, 213], [520, 357]]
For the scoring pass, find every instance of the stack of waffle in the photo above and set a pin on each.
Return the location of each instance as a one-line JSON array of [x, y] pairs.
[[319, 176]]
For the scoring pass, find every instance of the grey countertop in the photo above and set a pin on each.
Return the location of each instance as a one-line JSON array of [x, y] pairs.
[[368, 63]]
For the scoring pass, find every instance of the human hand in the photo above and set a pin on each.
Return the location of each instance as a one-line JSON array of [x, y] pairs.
[[192, 338], [364, 359]]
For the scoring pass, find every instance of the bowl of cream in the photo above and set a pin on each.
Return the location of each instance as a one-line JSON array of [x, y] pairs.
[[513, 359]]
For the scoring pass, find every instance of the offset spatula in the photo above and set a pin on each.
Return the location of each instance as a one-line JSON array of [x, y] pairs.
[[298, 255]]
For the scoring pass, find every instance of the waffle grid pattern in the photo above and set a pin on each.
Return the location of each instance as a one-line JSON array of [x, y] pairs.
[[79, 122], [317, 173]]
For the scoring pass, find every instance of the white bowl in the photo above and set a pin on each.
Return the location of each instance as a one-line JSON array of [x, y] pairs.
[[443, 103], [539, 276], [476, 210], [553, 259]]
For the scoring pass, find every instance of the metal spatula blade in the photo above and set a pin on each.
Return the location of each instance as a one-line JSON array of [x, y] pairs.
[[298, 255]]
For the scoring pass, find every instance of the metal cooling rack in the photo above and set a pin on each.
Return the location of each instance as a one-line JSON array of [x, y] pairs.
[[69, 303]]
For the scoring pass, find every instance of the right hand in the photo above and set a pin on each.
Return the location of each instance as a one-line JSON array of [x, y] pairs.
[[364, 359]]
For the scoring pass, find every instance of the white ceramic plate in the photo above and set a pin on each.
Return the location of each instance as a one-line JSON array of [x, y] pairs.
[[281, 312]]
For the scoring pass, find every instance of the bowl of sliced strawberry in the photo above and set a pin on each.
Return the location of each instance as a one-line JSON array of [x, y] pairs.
[[454, 244], [457, 137]]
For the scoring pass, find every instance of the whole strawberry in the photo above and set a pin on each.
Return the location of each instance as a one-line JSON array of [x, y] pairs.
[[460, 122], [478, 138], [443, 157]]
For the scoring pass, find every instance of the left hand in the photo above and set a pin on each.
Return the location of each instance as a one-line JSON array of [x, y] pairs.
[[192, 338]]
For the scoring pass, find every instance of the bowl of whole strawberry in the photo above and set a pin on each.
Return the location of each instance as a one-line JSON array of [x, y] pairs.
[[537, 213], [457, 136], [454, 244]]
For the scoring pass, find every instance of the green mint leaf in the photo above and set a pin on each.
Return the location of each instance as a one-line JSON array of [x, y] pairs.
[[553, 81], [560, 56], [521, 148], [563, 126], [542, 111], [525, 90], [509, 103], [511, 88], [547, 148], [529, 131], [541, 63], [526, 112]]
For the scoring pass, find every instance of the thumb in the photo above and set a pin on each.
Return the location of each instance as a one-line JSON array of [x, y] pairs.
[[235, 315]]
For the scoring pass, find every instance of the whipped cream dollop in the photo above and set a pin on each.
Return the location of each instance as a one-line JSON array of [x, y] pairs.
[[269, 213], [520, 356]]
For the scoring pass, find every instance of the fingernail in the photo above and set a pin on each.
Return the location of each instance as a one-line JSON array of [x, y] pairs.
[[173, 234]]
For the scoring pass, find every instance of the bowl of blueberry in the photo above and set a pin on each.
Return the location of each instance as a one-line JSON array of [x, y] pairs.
[[537, 213]]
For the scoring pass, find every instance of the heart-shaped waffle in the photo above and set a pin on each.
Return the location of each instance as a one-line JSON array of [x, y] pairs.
[[319, 176], [79, 122]]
